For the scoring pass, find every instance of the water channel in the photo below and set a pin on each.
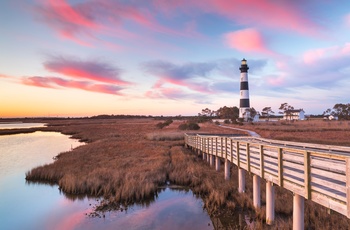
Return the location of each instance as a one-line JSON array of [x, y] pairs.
[[40, 206]]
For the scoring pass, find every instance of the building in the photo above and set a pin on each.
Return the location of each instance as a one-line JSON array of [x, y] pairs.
[[244, 104], [294, 114]]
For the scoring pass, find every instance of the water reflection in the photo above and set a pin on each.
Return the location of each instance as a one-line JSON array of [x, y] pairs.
[[20, 125], [42, 206], [29, 206], [173, 209]]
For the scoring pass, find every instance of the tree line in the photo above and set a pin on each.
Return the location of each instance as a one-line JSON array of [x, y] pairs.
[[341, 111]]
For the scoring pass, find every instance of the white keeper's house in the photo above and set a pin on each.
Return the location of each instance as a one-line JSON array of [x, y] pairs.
[[294, 114]]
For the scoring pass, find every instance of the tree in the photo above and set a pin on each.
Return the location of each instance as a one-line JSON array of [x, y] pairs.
[[228, 112], [207, 112], [342, 111], [286, 110], [267, 111]]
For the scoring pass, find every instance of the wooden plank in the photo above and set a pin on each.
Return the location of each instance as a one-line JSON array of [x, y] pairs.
[[341, 187], [270, 152], [328, 174], [329, 203], [254, 160], [243, 165], [307, 175], [297, 174], [272, 172], [270, 177], [332, 165], [271, 166], [294, 187], [270, 160], [293, 165], [255, 170], [280, 167], [292, 157], [329, 194]]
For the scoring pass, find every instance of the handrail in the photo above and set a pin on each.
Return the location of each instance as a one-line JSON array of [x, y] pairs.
[[320, 173]]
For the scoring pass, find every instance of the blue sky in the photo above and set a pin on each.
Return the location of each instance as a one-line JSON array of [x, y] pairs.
[[83, 58]]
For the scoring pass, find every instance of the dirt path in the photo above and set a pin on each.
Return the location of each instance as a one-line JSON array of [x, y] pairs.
[[251, 133]]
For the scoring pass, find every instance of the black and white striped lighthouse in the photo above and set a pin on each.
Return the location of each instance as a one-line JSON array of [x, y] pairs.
[[244, 104]]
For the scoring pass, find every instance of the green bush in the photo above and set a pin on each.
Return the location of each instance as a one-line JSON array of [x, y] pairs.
[[227, 121]]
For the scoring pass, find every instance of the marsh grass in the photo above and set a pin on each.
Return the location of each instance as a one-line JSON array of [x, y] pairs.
[[126, 161], [165, 136]]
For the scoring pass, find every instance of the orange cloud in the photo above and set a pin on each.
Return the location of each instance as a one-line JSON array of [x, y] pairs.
[[247, 40]]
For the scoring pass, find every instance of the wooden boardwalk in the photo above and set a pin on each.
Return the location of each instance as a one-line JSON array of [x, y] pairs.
[[320, 173]]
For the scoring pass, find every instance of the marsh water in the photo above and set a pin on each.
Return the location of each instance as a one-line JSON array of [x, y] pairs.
[[40, 206]]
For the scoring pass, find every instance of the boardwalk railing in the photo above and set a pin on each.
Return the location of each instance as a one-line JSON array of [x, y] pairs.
[[320, 173]]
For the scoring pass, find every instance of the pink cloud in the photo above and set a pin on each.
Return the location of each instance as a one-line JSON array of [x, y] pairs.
[[247, 40], [276, 80], [55, 82], [333, 52], [81, 22], [92, 70], [285, 15]]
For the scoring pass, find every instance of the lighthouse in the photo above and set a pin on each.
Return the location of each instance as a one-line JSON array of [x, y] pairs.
[[244, 104]]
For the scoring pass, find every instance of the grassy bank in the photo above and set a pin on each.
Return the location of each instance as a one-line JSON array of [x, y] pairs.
[[125, 161]]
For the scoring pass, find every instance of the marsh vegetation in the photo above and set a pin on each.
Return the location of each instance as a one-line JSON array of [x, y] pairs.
[[126, 160]]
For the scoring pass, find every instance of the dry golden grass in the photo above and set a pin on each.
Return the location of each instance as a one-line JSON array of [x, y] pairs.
[[125, 161]]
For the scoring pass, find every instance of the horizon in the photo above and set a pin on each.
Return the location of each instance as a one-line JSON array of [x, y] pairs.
[[74, 58]]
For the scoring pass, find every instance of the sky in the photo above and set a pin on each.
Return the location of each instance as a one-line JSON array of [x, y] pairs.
[[73, 58]]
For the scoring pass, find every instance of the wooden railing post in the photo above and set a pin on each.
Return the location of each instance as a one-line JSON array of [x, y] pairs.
[[225, 147], [347, 172], [237, 152], [222, 147], [248, 157], [231, 149], [307, 176], [280, 167], [262, 161]]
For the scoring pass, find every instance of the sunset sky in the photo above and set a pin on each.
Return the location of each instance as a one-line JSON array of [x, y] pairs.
[[170, 57]]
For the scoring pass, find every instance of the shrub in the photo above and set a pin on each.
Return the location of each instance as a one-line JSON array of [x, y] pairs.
[[227, 121], [161, 125], [183, 126], [217, 123], [193, 126], [189, 126]]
